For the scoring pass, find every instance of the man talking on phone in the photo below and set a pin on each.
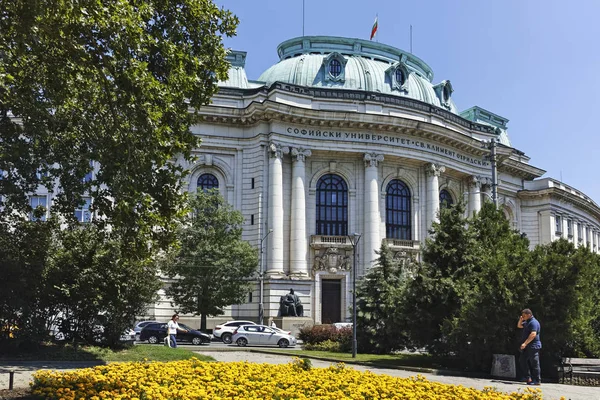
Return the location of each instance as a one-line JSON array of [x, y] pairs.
[[530, 347]]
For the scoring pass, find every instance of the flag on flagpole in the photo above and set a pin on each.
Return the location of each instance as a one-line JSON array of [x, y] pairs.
[[374, 29]]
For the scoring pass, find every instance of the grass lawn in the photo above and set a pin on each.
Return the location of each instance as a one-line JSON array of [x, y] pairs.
[[54, 352], [381, 360]]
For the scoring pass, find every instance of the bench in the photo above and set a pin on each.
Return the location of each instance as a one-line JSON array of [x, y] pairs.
[[580, 371]]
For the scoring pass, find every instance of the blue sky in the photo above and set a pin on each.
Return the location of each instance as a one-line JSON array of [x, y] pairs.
[[534, 62]]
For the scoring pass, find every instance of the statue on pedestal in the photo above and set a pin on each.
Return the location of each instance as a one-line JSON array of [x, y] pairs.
[[290, 305]]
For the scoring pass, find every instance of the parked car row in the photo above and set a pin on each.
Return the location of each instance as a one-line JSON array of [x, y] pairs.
[[242, 333]]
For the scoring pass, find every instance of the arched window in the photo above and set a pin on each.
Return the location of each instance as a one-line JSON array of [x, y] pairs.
[[398, 219], [445, 198], [207, 182], [332, 206]]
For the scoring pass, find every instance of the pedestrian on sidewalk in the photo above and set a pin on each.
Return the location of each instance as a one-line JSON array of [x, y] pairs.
[[529, 360], [172, 328]]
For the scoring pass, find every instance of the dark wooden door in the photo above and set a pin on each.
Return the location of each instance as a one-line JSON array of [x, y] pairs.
[[331, 301]]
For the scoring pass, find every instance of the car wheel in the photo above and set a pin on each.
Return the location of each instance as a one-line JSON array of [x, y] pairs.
[[153, 339], [242, 342], [283, 343], [196, 341], [226, 338]]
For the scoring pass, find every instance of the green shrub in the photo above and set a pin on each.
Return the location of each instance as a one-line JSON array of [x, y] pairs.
[[317, 334], [328, 345]]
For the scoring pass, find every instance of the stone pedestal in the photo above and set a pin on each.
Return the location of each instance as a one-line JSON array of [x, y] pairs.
[[293, 324], [503, 365]]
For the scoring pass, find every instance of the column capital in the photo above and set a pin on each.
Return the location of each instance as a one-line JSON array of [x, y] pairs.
[[474, 181], [434, 169], [372, 159], [485, 181], [277, 151], [300, 154]]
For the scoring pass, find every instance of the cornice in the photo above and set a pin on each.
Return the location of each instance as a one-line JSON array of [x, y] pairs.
[[269, 110], [561, 195]]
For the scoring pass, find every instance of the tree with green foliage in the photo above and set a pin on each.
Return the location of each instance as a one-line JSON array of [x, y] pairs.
[[95, 100], [445, 274], [110, 83], [564, 292], [92, 281], [491, 303], [23, 300], [214, 267], [378, 293]]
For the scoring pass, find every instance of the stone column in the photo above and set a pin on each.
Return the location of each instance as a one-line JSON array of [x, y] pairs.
[[565, 227], [584, 235], [474, 195], [298, 240], [372, 219], [576, 233], [275, 249], [433, 172]]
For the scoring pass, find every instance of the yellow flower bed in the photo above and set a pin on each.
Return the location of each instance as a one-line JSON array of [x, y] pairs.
[[193, 379]]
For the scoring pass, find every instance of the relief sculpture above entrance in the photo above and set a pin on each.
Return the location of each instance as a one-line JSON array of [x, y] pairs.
[[332, 259]]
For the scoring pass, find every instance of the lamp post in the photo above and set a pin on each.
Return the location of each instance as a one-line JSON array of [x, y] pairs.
[[354, 239], [261, 278]]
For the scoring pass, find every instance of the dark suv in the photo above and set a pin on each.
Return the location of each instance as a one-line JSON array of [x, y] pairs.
[[156, 332]]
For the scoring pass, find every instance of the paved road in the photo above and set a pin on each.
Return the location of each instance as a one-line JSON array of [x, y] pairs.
[[550, 391]]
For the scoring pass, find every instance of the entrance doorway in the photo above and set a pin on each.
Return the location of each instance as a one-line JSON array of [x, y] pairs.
[[331, 301]]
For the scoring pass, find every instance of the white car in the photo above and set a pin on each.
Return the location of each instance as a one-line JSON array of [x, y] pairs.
[[262, 335], [225, 331]]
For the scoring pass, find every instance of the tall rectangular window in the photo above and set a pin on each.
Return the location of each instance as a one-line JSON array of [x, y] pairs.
[[252, 219], [579, 232], [252, 183], [82, 213], [558, 223], [35, 202], [570, 228]]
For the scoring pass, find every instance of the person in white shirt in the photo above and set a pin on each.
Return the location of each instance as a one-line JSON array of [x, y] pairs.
[[172, 328]]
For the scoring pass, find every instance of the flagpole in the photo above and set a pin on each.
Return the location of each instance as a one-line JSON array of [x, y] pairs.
[[377, 19], [411, 40], [303, 17]]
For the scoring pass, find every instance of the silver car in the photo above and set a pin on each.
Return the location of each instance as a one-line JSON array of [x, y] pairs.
[[262, 335]]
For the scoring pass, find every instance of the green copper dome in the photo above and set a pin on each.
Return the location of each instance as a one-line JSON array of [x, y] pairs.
[[326, 61]]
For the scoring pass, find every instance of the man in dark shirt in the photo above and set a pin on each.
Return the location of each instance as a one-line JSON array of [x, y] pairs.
[[530, 347]]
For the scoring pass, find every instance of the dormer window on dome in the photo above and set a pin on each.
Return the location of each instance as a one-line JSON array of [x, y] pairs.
[[398, 76], [335, 67], [444, 91]]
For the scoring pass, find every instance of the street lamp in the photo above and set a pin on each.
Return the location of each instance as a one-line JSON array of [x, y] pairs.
[[261, 309], [354, 239]]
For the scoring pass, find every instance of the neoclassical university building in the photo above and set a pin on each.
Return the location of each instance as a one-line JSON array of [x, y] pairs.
[[346, 136]]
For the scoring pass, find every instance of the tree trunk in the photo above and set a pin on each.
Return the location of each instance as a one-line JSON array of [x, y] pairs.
[[203, 322]]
